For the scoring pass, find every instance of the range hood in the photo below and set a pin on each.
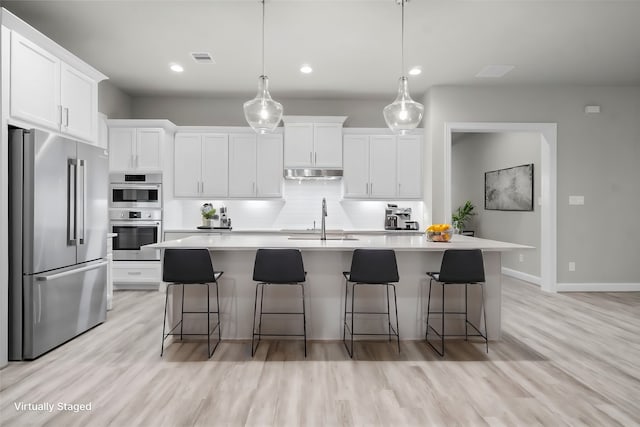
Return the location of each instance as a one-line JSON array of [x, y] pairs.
[[312, 173]]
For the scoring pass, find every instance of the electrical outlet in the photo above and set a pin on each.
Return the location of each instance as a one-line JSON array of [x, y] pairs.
[[521, 257], [572, 266]]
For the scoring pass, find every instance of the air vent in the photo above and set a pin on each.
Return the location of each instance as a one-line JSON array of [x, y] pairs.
[[202, 57]]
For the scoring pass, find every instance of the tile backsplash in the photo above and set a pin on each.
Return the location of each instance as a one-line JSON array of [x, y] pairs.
[[299, 208]]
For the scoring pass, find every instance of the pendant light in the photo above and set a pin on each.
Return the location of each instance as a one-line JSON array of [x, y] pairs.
[[263, 113], [403, 114]]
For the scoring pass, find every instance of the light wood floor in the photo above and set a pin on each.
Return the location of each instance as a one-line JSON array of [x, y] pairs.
[[565, 359]]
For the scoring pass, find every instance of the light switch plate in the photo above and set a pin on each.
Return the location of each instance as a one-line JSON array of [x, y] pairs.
[[576, 200], [572, 266]]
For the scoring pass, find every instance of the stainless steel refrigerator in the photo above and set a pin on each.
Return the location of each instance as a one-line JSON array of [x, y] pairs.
[[58, 230]]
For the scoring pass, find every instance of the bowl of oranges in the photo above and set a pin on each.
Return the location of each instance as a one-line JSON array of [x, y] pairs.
[[439, 233]]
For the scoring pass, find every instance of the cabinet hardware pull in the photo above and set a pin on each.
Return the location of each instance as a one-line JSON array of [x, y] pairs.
[[311, 157], [366, 188], [60, 114], [371, 189], [316, 158], [134, 273], [66, 115]]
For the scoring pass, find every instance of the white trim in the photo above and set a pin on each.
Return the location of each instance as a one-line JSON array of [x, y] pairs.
[[598, 287], [314, 119], [521, 276], [548, 190]]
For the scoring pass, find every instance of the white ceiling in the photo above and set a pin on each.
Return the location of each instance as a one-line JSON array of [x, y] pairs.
[[352, 45]]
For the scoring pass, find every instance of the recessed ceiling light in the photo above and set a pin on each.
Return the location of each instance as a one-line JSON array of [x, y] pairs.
[[176, 68], [415, 71], [306, 69], [494, 71]]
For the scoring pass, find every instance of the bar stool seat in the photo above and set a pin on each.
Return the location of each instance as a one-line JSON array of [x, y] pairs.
[[189, 267], [277, 267], [459, 267], [370, 267]]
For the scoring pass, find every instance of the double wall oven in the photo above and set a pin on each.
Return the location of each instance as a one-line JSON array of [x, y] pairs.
[[135, 214]]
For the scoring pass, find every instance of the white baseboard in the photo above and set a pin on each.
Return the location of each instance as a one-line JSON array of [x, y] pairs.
[[136, 286], [598, 287], [521, 276]]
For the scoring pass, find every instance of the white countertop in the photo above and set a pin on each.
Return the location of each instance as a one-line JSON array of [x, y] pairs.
[[243, 242], [290, 231], [111, 235]]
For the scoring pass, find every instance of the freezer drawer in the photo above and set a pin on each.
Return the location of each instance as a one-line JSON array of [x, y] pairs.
[[64, 303]]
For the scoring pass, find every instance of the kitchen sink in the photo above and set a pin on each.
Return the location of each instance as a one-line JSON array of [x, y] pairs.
[[316, 237]]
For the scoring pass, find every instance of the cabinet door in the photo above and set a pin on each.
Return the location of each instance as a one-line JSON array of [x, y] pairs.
[[78, 96], [35, 84], [327, 145], [148, 155], [269, 170], [409, 166], [356, 166], [382, 166], [121, 147], [215, 165], [242, 165], [298, 148], [187, 161]]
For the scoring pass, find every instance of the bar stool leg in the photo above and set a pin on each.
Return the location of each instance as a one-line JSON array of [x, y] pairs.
[[442, 320], [261, 310], [388, 310], [208, 322], [395, 300], [253, 329], [182, 313], [344, 323], [466, 312], [164, 320], [484, 314], [304, 320], [426, 334], [218, 307]]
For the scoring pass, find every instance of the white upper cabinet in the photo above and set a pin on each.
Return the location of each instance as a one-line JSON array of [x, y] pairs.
[[51, 93], [242, 165], [255, 165], [201, 165], [137, 145], [35, 83], [356, 166], [409, 166], [78, 98], [313, 141], [269, 166], [382, 167]]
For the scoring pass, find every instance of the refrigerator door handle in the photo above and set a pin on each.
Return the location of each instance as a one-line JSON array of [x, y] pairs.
[[81, 214], [37, 320], [47, 277], [71, 202]]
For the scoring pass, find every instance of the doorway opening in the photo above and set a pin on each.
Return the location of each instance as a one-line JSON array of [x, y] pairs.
[[548, 184]]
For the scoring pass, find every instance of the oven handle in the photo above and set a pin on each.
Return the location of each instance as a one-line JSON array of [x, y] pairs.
[[135, 223], [136, 186]]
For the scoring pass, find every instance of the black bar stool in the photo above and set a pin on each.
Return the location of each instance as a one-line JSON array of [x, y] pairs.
[[277, 267], [190, 267], [371, 267], [459, 267]]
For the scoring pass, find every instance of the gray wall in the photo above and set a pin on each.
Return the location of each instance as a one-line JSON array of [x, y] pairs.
[[113, 102], [598, 157], [473, 154], [206, 111]]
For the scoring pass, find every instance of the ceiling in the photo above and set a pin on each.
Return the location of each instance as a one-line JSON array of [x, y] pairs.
[[352, 45]]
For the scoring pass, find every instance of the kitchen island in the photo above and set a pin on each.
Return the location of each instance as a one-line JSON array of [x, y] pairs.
[[324, 261]]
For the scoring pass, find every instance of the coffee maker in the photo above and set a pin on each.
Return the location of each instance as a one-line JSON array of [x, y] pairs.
[[225, 222], [396, 218]]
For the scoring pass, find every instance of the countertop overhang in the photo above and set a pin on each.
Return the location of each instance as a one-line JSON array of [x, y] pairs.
[[244, 242]]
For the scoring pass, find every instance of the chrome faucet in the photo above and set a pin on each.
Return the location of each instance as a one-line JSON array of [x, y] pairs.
[[323, 230]]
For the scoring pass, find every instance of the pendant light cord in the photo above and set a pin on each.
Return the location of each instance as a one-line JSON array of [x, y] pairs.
[[402, 40], [263, 37]]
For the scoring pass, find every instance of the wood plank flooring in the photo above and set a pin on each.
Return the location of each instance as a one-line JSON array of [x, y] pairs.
[[565, 359]]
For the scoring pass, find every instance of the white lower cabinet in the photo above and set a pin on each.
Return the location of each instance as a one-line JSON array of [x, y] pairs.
[[382, 167], [109, 273], [143, 275]]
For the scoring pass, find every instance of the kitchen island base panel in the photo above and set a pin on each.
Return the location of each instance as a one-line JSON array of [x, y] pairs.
[[325, 293]]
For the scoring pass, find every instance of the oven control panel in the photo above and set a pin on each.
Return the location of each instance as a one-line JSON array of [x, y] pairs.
[[140, 214]]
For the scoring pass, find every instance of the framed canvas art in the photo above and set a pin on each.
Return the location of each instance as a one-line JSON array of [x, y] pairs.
[[509, 189]]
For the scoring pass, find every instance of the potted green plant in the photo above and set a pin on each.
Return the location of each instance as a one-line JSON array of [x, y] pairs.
[[208, 215], [462, 215]]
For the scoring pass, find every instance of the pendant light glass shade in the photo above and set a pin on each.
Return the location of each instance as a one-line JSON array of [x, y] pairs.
[[263, 113], [403, 114]]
